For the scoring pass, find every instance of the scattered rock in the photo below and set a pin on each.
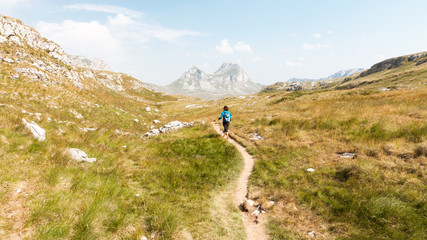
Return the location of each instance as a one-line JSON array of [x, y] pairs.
[[88, 129], [311, 234], [420, 151], [38, 132], [347, 155], [79, 155], [148, 109], [156, 121], [256, 137], [136, 120], [257, 211], [405, 156], [137, 195], [156, 110], [385, 89], [76, 114], [143, 238], [18, 190], [310, 170], [155, 132]]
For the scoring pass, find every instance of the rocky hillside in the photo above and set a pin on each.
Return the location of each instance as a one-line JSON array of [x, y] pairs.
[[399, 72], [295, 84], [25, 54], [91, 63], [418, 58], [229, 80]]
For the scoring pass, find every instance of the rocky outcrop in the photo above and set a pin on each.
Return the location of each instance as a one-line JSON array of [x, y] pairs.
[[33, 57], [38, 132], [174, 125], [296, 86], [15, 31], [80, 156], [392, 63], [90, 63]]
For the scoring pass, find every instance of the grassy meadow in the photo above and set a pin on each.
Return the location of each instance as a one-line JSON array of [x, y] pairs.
[[178, 185], [174, 186], [379, 194]]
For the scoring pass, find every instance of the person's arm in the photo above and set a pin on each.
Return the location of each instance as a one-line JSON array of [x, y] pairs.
[[222, 114]]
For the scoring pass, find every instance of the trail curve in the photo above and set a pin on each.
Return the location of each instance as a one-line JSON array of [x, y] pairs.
[[254, 227]]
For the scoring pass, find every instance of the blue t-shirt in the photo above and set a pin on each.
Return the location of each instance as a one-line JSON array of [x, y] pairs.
[[226, 116]]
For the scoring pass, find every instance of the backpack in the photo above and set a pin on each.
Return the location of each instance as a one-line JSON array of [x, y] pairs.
[[227, 117]]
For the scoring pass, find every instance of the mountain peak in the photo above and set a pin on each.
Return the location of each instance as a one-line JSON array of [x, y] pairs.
[[228, 65], [228, 80]]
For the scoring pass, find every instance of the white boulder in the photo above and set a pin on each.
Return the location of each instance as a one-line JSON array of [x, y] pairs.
[[156, 121], [38, 132], [80, 156], [155, 132], [148, 109]]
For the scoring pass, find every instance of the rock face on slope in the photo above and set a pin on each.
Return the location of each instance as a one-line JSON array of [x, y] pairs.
[[26, 55], [228, 80], [90, 63], [393, 63]]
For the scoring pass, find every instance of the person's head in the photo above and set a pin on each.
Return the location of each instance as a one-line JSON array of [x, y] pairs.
[[225, 108]]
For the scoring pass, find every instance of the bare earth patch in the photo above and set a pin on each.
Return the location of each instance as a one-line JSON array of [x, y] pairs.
[[15, 212]]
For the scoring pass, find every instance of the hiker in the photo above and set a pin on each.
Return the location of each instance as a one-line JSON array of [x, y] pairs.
[[226, 118]]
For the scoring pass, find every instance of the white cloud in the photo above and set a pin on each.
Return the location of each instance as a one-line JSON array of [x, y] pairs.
[[11, 3], [307, 46], [301, 58], [316, 35], [84, 38], [293, 64], [224, 47], [256, 59], [329, 32], [285, 50], [104, 8], [243, 47], [120, 20], [127, 24], [167, 34]]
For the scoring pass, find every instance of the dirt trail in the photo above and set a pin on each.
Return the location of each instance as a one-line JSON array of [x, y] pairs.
[[254, 227]]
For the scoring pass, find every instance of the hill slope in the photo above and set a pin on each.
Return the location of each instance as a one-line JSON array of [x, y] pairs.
[[131, 187]]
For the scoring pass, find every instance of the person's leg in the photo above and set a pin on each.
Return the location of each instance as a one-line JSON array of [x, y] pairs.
[[226, 125]]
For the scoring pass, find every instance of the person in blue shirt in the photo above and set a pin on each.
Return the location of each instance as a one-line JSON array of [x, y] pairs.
[[226, 119]]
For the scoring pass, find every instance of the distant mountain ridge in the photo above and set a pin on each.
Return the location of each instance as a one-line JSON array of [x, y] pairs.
[[343, 73], [229, 80]]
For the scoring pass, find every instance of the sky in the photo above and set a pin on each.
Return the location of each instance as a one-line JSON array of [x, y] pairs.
[[156, 41]]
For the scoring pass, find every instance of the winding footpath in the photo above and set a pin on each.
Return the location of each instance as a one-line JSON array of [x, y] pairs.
[[255, 229]]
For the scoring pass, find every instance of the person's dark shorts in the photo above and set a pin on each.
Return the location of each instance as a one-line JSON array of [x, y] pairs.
[[226, 125]]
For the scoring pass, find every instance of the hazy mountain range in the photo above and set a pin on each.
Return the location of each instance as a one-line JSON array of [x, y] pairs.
[[343, 73], [229, 80]]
